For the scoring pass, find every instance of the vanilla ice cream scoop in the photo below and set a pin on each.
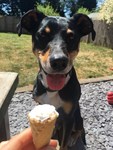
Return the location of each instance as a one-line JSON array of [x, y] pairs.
[[43, 112], [42, 121]]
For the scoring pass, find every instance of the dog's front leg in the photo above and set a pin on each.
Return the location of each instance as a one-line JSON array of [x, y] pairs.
[[63, 128], [78, 132], [78, 146]]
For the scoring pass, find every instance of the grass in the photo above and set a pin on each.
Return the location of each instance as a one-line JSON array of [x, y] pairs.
[[94, 61], [16, 55]]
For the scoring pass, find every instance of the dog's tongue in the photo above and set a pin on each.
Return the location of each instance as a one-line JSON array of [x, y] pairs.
[[56, 81]]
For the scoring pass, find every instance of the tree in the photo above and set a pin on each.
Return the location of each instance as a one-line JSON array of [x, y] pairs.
[[26, 5], [71, 7], [57, 5], [4, 7], [88, 4], [16, 7], [106, 11], [19, 7], [62, 6], [47, 10]]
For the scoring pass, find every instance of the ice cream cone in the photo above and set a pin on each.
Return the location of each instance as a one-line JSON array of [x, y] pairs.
[[42, 122]]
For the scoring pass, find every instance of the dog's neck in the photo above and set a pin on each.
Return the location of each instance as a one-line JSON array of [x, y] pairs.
[[51, 98]]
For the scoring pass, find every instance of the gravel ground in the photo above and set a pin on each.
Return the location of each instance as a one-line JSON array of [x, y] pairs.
[[97, 114]]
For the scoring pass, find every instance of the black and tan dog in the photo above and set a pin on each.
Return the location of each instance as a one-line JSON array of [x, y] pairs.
[[55, 43]]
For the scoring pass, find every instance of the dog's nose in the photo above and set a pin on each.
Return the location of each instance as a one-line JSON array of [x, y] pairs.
[[59, 63]]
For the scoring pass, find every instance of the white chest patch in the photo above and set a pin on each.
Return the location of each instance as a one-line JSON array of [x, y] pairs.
[[51, 98]]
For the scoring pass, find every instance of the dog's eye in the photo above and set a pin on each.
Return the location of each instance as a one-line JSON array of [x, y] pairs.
[[42, 37]]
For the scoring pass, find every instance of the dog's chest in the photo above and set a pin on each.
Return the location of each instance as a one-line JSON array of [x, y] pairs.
[[51, 98]]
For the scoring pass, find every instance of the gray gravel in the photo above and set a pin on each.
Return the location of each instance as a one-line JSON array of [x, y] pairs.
[[97, 114]]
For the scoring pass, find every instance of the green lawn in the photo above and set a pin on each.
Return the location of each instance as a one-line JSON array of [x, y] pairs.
[[16, 55]]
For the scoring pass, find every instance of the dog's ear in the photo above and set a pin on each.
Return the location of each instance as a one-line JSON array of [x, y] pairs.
[[30, 21], [83, 24]]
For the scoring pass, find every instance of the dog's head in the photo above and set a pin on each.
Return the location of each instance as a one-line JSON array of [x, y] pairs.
[[55, 43]]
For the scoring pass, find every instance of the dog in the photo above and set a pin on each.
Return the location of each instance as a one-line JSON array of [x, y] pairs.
[[55, 43]]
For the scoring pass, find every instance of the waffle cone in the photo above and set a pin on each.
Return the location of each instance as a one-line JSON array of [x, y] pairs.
[[42, 131]]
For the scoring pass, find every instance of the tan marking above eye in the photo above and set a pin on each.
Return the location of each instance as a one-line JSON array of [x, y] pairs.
[[69, 31], [47, 30]]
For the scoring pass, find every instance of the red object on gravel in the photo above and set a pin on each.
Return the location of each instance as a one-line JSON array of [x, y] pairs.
[[111, 68], [110, 97]]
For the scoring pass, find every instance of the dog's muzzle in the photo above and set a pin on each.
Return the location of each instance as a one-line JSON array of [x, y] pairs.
[[58, 77]]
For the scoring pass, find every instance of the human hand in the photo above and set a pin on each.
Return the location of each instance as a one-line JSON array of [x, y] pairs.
[[24, 141]]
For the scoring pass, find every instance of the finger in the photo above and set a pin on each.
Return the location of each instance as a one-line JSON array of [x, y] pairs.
[[51, 146], [53, 143], [20, 141], [23, 133], [30, 146], [24, 137], [2, 144], [48, 148]]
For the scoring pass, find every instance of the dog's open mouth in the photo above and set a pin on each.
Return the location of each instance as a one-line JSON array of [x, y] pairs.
[[56, 81]]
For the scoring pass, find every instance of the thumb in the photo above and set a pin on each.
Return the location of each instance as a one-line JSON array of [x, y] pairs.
[[53, 143], [51, 146]]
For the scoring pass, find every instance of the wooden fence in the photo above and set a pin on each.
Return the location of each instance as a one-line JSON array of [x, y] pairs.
[[104, 32], [8, 24]]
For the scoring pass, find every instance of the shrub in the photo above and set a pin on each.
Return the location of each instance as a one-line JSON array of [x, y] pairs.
[[106, 11], [47, 10], [83, 11]]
